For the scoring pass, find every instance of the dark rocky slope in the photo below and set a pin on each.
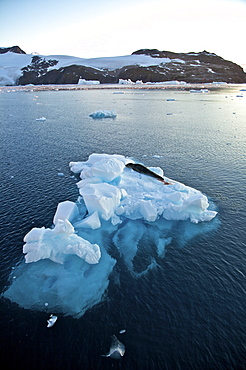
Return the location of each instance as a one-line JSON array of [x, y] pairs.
[[188, 67], [13, 49], [66, 75], [200, 67]]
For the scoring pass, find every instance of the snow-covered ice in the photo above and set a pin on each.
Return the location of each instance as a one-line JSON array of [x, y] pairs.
[[68, 266], [113, 190]]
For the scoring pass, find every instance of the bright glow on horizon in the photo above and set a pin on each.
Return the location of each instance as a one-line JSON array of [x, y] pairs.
[[119, 27]]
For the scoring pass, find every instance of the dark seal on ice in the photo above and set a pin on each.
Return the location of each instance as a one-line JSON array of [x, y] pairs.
[[144, 170]]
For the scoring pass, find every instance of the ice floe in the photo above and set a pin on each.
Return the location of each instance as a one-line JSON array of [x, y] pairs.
[[68, 265]]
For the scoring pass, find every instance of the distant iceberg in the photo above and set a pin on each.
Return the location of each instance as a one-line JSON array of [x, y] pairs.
[[199, 91], [88, 82], [68, 266], [126, 82], [41, 119], [103, 114]]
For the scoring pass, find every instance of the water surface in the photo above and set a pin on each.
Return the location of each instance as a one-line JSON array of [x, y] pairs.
[[189, 313]]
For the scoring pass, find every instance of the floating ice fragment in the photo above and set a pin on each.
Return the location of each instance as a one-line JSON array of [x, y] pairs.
[[199, 91], [117, 349], [82, 81], [61, 174], [125, 82], [51, 321], [122, 331], [41, 119], [103, 114]]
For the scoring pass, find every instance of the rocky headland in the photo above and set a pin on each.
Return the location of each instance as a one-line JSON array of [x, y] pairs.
[[202, 67]]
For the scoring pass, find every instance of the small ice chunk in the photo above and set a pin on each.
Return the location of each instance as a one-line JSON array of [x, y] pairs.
[[103, 114], [60, 174], [51, 321], [122, 331], [66, 211], [41, 119], [199, 91], [117, 349], [82, 81]]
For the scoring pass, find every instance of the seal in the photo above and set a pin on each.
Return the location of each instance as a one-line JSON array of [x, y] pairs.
[[144, 170]]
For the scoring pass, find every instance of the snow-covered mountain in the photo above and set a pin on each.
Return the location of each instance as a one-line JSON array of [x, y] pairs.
[[147, 65]]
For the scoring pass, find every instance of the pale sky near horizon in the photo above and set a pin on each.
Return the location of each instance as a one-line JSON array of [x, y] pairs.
[[98, 28]]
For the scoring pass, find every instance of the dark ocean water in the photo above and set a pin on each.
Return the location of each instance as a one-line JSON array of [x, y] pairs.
[[190, 312]]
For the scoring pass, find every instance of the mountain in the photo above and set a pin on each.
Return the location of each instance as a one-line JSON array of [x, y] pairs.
[[147, 65], [13, 49]]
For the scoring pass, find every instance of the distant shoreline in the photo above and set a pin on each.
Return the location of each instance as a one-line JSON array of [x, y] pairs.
[[153, 86]]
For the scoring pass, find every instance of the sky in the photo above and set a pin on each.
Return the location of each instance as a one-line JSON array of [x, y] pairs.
[[98, 28]]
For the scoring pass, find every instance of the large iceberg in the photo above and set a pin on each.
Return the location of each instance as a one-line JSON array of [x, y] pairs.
[[67, 267]]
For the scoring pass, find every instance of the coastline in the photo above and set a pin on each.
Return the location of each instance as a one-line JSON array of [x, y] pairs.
[[150, 86]]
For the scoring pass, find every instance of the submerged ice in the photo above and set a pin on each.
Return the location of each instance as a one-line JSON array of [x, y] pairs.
[[68, 266]]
